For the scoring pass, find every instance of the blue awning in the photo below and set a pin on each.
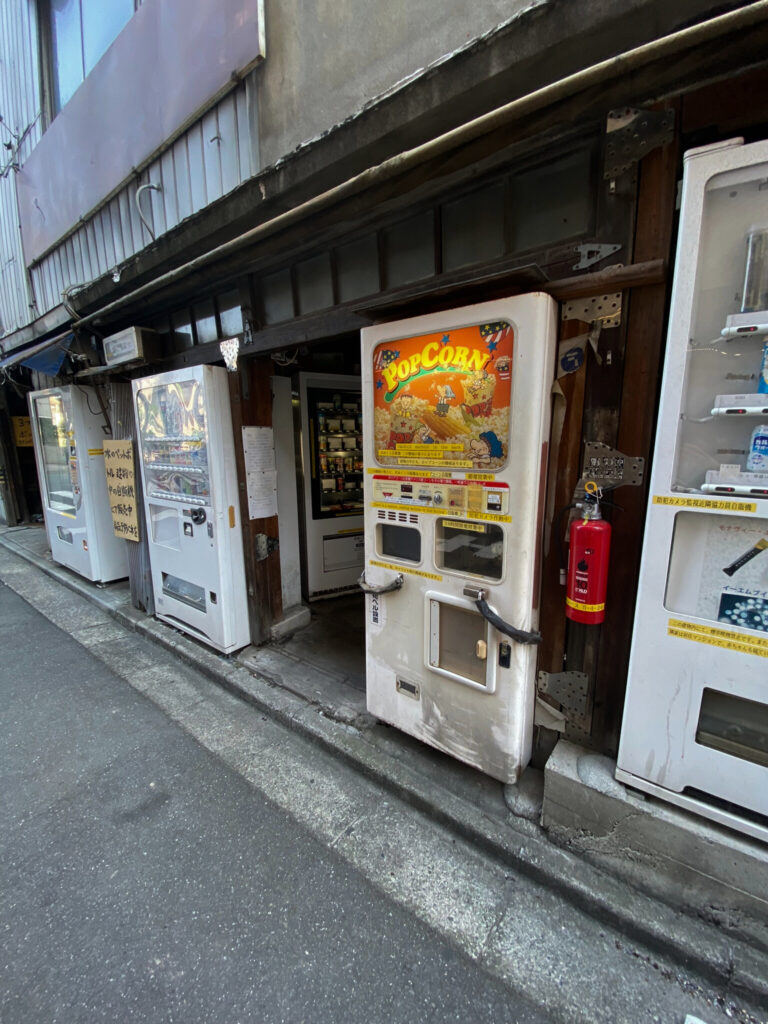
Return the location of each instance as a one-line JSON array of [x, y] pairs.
[[45, 357]]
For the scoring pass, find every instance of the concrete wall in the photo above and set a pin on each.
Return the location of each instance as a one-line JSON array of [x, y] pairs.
[[326, 60]]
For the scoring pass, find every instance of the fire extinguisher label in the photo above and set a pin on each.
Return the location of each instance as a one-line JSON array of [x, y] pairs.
[[584, 607]]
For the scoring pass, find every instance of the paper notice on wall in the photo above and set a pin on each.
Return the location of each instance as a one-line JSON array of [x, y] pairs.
[[121, 487], [260, 472]]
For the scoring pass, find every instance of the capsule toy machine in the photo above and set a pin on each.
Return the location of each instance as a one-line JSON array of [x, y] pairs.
[[192, 504], [69, 426], [695, 725], [456, 411]]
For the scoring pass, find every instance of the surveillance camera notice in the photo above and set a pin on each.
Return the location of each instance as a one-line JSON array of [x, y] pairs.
[[119, 466]]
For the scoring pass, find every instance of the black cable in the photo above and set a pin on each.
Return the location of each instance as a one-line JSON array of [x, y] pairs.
[[520, 635]]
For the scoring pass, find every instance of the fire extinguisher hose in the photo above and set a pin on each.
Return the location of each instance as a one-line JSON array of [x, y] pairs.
[[520, 635]]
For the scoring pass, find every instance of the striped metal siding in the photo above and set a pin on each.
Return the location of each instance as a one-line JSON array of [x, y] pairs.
[[20, 108], [211, 159]]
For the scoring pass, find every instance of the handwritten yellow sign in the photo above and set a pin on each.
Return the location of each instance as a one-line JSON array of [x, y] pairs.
[[22, 431], [121, 485]]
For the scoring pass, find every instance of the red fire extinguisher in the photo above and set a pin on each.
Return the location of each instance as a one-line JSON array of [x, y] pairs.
[[590, 547]]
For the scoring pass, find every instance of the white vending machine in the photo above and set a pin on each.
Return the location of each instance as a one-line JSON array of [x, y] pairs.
[[69, 427], [331, 463], [192, 504], [695, 728], [456, 411]]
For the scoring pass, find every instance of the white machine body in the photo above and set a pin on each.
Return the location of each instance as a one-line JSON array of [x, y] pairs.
[[331, 481], [68, 427], [456, 413], [192, 504], [695, 727]]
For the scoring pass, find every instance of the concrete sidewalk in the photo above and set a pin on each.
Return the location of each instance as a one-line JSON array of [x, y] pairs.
[[730, 951]]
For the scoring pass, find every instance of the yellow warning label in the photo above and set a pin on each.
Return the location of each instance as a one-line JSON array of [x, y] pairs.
[[713, 503], [455, 463], [715, 637], [402, 568], [584, 607], [480, 476], [453, 524], [485, 516], [425, 449], [95, 451], [389, 471]]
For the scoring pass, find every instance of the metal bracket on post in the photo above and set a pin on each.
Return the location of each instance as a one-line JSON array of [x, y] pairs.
[[265, 546], [569, 689], [631, 133], [609, 468], [593, 252], [597, 309]]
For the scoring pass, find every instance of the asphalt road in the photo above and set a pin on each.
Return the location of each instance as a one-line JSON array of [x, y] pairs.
[[142, 879]]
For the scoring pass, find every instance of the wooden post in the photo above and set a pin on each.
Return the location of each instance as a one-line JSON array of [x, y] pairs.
[[642, 370], [251, 402]]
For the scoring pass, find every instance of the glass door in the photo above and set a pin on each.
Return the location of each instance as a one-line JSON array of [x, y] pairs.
[[174, 442], [59, 454], [336, 452]]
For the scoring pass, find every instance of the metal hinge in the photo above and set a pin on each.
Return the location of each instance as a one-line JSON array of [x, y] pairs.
[[609, 468], [569, 689], [631, 133], [597, 309], [265, 546], [593, 252]]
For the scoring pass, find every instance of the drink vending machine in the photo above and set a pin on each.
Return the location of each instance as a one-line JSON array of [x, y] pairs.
[[69, 426], [192, 504], [331, 481], [456, 410], [695, 727]]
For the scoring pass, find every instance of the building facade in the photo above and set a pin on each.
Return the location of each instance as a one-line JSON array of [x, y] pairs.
[[289, 176]]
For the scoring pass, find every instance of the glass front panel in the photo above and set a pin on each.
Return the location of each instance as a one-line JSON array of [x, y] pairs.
[[718, 569], [357, 268], [174, 443], [313, 279], [230, 314], [102, 23], [734, 725], [205, 322], [277, 296], [59, 455], [410, 249], [443, 399], [402, 542], [551, 203], [722, 441], [476, 548], [336, 451], [462, 638], [473, 228], [66, 46]]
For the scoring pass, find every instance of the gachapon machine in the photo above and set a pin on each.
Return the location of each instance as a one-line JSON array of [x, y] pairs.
[[456, 411]]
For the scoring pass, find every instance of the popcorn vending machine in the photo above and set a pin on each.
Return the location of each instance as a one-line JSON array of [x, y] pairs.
[[456, 410], [695, 728]]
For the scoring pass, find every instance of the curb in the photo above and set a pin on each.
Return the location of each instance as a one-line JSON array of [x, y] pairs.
[[718, 957]]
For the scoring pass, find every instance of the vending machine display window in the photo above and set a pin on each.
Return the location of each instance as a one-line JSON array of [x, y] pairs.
[[174, 442], [724, 399], [403, 542], [734, 726], [475, 548], [336, 451], [54, 422]]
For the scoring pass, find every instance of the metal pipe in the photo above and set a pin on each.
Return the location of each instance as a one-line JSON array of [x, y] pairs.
[[621, 65]]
